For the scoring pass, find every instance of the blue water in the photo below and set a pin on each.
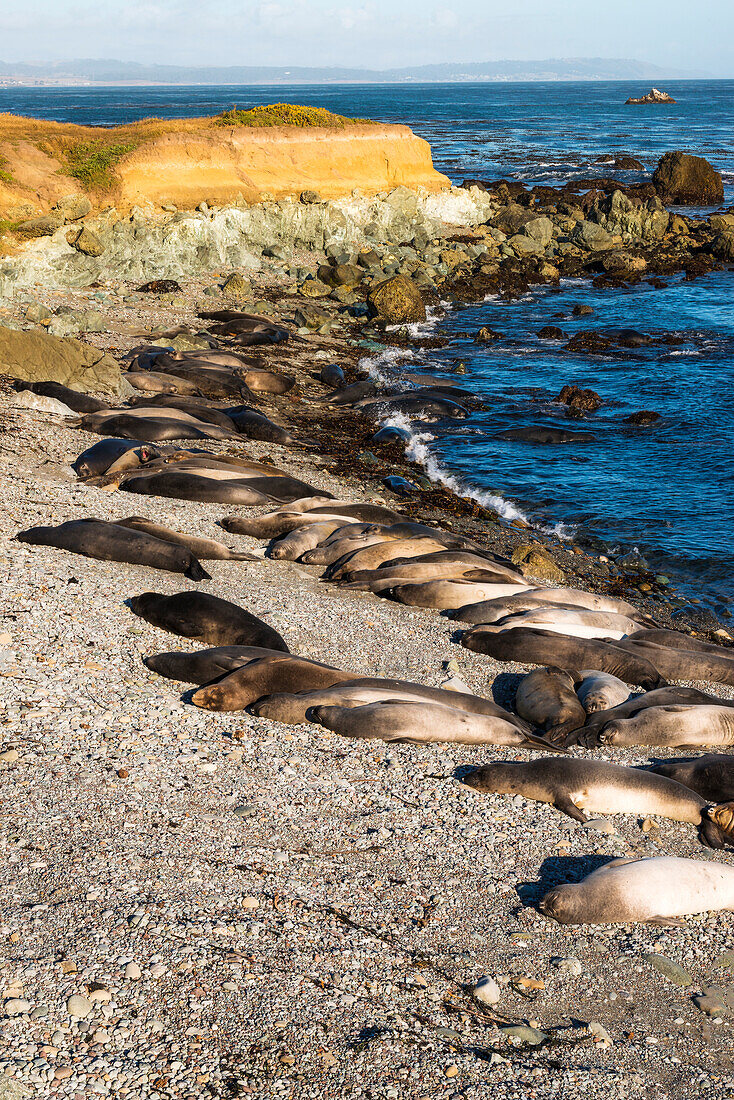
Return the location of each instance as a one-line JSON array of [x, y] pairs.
[[667, 490]]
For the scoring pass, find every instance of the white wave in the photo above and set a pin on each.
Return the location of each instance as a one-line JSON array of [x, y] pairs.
[[417, 450], [417, 329], [381, 366]]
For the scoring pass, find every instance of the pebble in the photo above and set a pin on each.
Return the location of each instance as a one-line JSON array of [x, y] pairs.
[[133, 972], [486, 991], [715, 1001], [524, 1034], [570, 965], [16, 1006], [669, 969], [78, 1005]]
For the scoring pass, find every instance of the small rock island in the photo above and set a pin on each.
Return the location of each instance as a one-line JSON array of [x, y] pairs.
[[653, 96]]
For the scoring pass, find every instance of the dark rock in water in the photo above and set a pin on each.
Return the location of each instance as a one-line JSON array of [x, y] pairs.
[[546, 435], [621, 162], [552, 332], [397, 301], [581, 400], [644, 416], [391, 435], [160, 286], [582, 311], [628, 337], [687, 181], [487, 335], [400, 486], [592, 342], [700, 618], [653, 96], [623, 264]]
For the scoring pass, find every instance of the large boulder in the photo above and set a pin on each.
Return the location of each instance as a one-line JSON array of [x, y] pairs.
[[723, 246], [36, 357], [687, 181], [593, 237], [632, 218], [397, 300]]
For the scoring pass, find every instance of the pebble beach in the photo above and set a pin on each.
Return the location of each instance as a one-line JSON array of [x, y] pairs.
[[199, 904]]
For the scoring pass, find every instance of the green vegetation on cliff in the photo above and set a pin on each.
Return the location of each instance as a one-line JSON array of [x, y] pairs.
[[92, 162], [284, 114]]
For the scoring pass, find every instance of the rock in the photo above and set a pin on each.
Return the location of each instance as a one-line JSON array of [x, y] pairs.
[[535, 561], [315, 288], [715, 1001], [582, 311], [593, 237], [685, 180], [576, 398], [78, 1006], [45, 226], [36, 357], [487, 335], [16, 1006], [570, 966], [669, 969], [133, 972], [621, 162], [653, 96], [599, 825], [552, 332], [723, 246], [37, 312], [600, 1033], [486, 991], [525, 246], [630, 217], [310, 198], [726, 958], [160, 286], [73, 207], [624, 264], [26, 399], [235, 286], [86, 241], [540, 230], [644, 416], [530, 1035], [397, 300], [12, 1089]]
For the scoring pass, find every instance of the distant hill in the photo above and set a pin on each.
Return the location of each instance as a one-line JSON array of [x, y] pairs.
[[130, 72]]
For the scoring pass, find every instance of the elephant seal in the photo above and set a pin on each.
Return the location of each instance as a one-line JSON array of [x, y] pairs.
[[600, 691], [206, 618], [209, 381], [111, 456], [539, 647], [205, 413], [672, 727], [574, 623], [79, 402], [95, 538], [372, 555], [213, 488], [320, 509], [447, 594], [657, 889], [295, 708], [423, 722], [489, 611], [710, 776], [150, 381], [332, 375], [546, 435], [203, 549], [153, 426], [590, 788], [546, 698], [255, 425], [712, 666], [265, 381], [350, 395], [660, 697], [279, 673], [204, 665]]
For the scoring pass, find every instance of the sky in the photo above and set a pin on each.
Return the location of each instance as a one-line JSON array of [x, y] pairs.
[[370, 33]]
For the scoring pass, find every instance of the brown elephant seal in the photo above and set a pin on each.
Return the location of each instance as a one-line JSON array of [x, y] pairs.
[[658, 889], [255, 425], [205, 413], [590, 788], [206, 618], [599, 691], [418, 723], [266, 381], [373, 555], [95, 538], [150, 381], [300, 513], [79, 402], [204, 665], [444, 595], [209, 380], [152, 426], [546, 698], [203, 549], [490, 611], [660, 697], [111, 456], [291, 546], [671, 727], [538, 647], [212, 486], [710, 776], [279, 673], [711, 666], [294, 709]]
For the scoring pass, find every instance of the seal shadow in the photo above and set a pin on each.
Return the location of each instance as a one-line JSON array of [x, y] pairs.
[[556, 871], [504, 688]]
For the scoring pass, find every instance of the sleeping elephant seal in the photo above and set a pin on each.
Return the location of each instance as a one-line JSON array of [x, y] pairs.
[[660, 697], [539, 647], [714, 665], [672, 727], [205, 618], [204, 665], [151, 425], [95, 538], [79, 402], [203, 549], [590, 788], [277, 673], [599, 691], [711, 776], [205, 413], [573, 622], [111, 456], [212, 487], [150, 381], [255, 425], [490, 611], [446, 594], [419, 723], [657, 889], [546, 698]]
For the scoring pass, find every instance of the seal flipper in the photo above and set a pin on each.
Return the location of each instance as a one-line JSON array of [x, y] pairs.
[[667, 922], [197, 572], [536, 741], [566, 806]]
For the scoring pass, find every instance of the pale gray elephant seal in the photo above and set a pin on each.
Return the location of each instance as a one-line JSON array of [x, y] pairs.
[[600, 690], [711, 776], [660, 889], [584, 788], [660, 697], [419, 723], [205, 618], [672, 727], [95, 538], [546, 698]]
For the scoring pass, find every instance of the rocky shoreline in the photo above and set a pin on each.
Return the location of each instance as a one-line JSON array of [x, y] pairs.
[[249, 909]]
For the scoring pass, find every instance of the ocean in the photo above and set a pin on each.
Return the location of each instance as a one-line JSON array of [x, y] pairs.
[[663, 492]]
